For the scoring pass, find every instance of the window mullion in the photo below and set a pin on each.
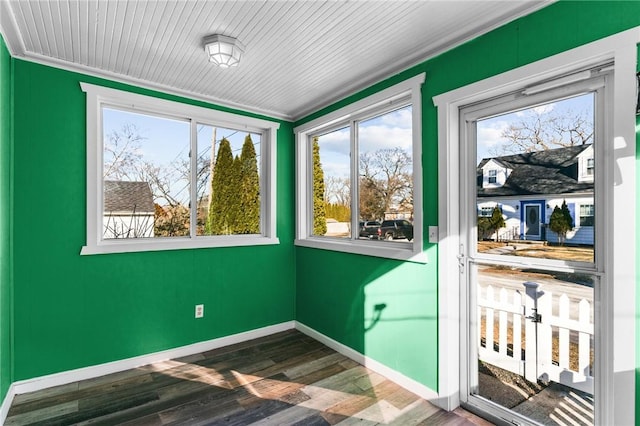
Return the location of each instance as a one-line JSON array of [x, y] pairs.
[[355, 181]]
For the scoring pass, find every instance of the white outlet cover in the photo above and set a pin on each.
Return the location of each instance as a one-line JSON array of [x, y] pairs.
[[433, 234], [199, 311]]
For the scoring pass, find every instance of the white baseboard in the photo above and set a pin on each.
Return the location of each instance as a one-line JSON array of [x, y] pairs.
[[409, 384], [6, 403], [65, 377]]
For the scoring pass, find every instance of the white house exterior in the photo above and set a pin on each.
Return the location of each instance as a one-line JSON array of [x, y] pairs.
[[129, 211], [527, 187]]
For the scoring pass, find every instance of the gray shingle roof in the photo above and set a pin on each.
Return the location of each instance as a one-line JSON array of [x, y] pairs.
[[554, 171], [128, 196]]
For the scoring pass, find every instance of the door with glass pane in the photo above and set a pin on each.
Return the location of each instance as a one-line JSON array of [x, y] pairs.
[[532, 238]]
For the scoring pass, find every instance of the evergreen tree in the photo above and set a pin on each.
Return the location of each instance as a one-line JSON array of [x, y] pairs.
[[248, 214], [561, 221], [339, 212], [222, 193], [497, 221], [319, 213], [490, 225], [234, 212]]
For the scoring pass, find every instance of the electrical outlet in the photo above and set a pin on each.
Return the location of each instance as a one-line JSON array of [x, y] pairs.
[[433, 234], [199, 311]]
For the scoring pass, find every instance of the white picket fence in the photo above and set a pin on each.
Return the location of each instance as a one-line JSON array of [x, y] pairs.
[[515, 309]]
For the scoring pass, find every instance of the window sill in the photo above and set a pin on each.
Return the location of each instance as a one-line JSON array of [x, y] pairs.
[[403, 251], [142, 245]]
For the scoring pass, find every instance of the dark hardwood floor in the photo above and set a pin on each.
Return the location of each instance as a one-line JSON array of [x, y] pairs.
[[283, 379]]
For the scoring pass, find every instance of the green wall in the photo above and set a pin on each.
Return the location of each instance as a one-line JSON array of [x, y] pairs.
[[5, 219], [72, 311], [638, 253], [337, 292]]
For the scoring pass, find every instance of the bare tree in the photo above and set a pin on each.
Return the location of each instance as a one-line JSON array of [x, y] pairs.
[[337, 190], [122, 153], [386, 181], [541, 129], [169, 183]]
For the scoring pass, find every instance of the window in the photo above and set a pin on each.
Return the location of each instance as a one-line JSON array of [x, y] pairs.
[[586, 215], [486, 211], [493, 176], [164, 175], [590, 166], [362, 163]]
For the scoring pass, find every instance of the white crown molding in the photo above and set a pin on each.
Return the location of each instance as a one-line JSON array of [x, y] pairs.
[[145, 84]]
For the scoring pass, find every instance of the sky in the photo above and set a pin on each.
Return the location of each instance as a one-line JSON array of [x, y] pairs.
[[390, 130], [489, 131], [166, 140]]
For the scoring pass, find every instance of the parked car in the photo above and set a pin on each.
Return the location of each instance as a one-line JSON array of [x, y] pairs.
[[369, 229], [396, 229]]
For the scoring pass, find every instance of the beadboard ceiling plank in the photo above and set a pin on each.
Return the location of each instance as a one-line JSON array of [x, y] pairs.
[[300, 55]]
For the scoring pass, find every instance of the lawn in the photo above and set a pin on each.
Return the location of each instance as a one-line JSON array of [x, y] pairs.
[[538, 250]]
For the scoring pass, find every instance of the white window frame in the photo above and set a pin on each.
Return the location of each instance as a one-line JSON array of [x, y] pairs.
[[99, 97], [413, 251], [619, 292], [492, 174]]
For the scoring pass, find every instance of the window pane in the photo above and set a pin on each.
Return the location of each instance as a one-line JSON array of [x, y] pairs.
[[228, 181], [146, 176], [586, 215], [536, 170], [386, 173], [536, 325], [331, 176]]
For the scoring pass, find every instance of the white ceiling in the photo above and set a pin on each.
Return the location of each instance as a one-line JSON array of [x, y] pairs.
[[300, 55]]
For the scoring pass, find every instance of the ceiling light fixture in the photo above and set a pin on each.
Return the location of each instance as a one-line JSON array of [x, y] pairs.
[[223, 51]]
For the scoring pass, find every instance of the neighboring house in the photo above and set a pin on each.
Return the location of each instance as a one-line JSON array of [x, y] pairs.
[[398, 214], [528, 186], [129, 210]]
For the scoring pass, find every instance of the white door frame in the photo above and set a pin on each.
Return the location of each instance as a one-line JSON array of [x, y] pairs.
[[618, 310]]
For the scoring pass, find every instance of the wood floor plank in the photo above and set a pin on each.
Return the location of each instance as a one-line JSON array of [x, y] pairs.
[[205, 409], [150, 420], [333, 418], [444, 418], [415, 413], [321, 374], [315, 420], [255, 413], [44, 394], [350, 381], [149, 408], [314, 365], [290, 416], [283, 379], [350, 405], [42, 414], [394, 394]]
